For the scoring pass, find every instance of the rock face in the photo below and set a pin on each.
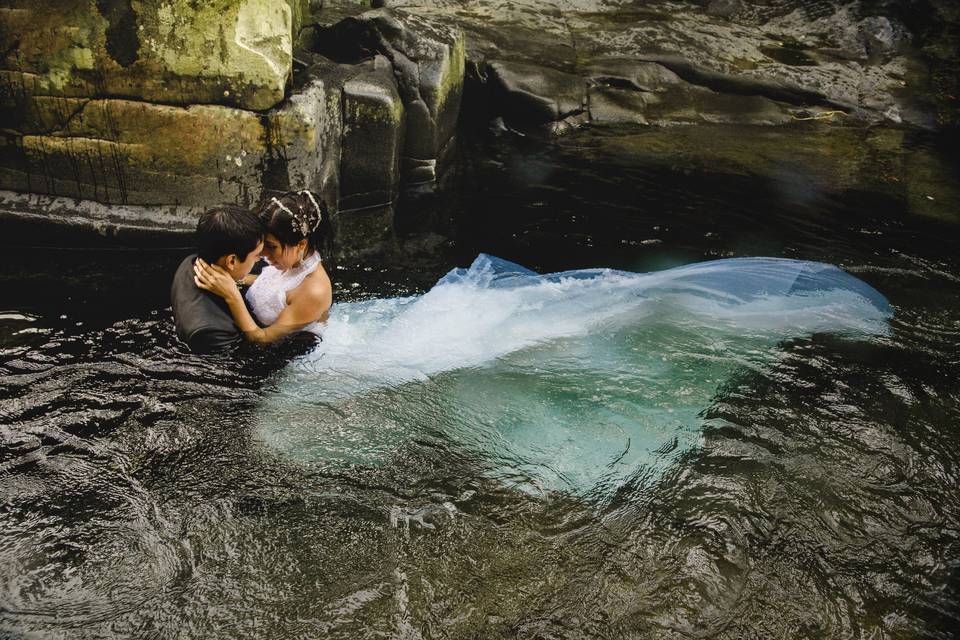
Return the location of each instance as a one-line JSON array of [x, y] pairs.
[[184, 104], [785, 60], [149, 104], [173, 102], [176, 105], [427, 60], [233, 52]]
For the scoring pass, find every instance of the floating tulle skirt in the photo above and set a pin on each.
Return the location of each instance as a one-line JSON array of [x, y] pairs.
[[576, 381]]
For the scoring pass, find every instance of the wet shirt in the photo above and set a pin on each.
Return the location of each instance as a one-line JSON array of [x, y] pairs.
[[202, 318]]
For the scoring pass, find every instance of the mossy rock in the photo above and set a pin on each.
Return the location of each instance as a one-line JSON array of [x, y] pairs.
[[125, 151], [121, 151], [374, 129], [232, 52], [304, 141]]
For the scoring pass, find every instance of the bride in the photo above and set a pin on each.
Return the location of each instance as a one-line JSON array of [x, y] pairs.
[[293, 293]]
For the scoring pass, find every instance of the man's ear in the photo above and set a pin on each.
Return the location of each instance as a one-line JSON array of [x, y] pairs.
[[228, 261]]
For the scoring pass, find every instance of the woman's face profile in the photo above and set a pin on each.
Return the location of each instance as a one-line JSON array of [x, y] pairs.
[[279, 255]]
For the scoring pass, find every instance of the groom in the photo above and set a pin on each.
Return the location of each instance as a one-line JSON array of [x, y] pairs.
[[231, 237]]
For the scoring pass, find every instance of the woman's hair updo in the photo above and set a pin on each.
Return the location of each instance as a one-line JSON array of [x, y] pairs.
[[296, 215]]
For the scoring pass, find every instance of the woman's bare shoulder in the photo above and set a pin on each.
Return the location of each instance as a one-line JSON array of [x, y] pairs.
[[315, 286]]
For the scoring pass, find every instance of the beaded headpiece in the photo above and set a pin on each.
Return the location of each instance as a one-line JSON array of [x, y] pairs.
[[303, 221]]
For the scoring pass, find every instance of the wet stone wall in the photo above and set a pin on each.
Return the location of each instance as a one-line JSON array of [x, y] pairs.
[[146, 117], [137, 115]]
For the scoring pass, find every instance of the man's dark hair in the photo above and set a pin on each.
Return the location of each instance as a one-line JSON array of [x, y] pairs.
[[227, 229]]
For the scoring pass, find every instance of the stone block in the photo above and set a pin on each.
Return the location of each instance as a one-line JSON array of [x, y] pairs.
[[373, 134], [233, 52], [120, 151], [304, 141], [531, 94], [438, 51], [427, 60]]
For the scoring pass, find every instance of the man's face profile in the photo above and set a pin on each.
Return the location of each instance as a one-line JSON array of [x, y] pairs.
[[237, 268]]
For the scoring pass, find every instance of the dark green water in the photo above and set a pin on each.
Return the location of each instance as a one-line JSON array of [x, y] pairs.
[[820, 500]]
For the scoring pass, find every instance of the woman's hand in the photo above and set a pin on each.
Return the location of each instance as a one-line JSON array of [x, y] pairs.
[[215, 279]]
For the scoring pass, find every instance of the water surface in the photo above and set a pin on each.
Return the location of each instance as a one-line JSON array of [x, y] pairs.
[[817, 497]]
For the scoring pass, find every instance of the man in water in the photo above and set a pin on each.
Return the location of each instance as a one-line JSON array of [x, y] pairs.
[[228, 236]]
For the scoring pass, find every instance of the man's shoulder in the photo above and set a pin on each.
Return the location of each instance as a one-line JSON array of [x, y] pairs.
[[184, 273], [184, 291], [187, 263]]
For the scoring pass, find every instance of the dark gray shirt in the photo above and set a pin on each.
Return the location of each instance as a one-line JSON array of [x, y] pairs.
[[202, 318]]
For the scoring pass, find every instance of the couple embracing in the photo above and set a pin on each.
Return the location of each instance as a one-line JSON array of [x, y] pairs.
[[292, 293]]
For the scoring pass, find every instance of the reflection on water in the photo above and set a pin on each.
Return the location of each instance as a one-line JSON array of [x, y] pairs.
[[819, 501]]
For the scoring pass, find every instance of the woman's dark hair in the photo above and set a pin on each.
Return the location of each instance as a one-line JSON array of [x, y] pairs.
[[227, 229], [296, 215]]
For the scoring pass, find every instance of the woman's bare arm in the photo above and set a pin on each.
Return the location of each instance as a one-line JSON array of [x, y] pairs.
[[307, 303]]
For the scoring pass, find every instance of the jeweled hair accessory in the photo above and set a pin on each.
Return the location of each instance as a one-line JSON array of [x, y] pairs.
[[281, 206], [303, 221], [316, 207]]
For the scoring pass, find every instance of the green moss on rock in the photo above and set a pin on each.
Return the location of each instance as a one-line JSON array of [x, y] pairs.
[[235, 52]]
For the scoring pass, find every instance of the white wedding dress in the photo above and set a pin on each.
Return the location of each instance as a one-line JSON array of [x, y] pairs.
[[267, 296], [582, 381]]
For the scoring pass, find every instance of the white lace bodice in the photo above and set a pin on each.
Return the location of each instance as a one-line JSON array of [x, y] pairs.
[[267, 296]]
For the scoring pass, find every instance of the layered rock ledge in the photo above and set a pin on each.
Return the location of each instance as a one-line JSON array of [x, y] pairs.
[[172, 106]]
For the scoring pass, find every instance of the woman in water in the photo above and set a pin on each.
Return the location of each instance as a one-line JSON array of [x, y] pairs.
[[293, 293]]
